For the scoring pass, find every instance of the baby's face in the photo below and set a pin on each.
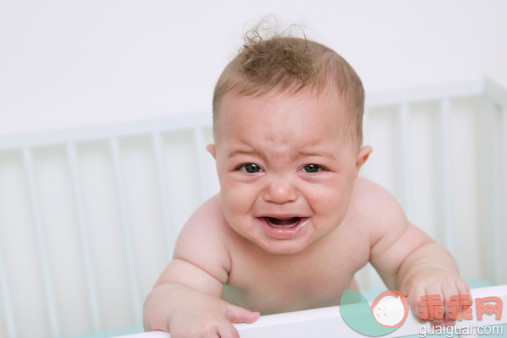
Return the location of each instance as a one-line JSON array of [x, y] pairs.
[[285, 166]]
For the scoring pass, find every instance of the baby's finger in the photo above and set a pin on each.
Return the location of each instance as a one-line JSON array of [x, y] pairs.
[[414, 298], [435, 305], [210, 335], [465, 299], [237, 314], [227, 330], [451, 303], [463, 289]]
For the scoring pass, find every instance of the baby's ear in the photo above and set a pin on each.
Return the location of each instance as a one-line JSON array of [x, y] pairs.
[[211, 149], [362, 156]]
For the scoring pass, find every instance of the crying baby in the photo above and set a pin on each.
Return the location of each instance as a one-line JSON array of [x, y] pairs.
[[293, 221]]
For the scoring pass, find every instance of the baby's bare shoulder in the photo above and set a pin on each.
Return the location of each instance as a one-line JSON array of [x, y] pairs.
[[203, 240], [373, 207], [370, 196]]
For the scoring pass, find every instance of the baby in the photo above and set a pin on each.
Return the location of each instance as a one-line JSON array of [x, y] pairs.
[[293, 221]]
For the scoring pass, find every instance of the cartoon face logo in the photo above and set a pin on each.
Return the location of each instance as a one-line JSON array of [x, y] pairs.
[[390, 308], [385, 315]]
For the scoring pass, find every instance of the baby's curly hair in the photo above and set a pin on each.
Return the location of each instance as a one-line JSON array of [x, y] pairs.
[[286, 63]]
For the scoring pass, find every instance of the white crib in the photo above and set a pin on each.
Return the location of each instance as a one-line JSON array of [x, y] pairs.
[[89, 216], [328, 323]]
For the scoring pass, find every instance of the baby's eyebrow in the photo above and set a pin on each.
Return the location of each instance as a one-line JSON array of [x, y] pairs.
[[244, 152], [317, 153], [301, 153]]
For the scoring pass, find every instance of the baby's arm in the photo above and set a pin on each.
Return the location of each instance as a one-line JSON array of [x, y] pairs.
[[407, 259], [186, 299]]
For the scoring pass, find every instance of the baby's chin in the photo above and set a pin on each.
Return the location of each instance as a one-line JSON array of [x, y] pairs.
[[277, 246], [283, 247]]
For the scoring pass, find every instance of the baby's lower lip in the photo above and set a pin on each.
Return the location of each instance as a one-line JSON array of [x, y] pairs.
[[283, 230]]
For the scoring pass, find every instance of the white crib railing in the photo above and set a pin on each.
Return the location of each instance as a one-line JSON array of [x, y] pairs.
[[328, 322], [69, 138], [493, 108]]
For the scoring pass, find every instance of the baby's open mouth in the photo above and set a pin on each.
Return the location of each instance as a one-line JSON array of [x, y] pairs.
[[282, 222], [285, 227]]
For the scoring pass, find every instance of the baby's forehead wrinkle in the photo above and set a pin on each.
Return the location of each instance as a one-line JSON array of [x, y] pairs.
[[273, 151], [248, 151], [317, 153]]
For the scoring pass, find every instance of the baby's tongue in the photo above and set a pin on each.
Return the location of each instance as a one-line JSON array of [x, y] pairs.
[[282, 222]]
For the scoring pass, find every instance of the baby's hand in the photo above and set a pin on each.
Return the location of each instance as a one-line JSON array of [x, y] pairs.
[[429, 293], [200, 315]]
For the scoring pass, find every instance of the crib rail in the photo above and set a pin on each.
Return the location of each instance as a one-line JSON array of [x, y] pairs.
[[328, 322], [494, 108]]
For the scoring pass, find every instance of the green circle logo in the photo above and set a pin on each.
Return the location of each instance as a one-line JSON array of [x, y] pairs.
[[387, 312]]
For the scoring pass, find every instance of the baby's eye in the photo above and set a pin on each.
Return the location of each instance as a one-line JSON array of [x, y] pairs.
[[312, 168], [250, 168]]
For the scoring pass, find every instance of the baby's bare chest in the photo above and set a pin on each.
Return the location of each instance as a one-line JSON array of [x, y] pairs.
[[270, 286]]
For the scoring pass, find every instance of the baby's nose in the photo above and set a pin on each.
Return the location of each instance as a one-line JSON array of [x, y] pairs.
[[280, 190]]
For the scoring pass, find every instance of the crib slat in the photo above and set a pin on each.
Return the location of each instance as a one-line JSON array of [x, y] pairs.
[[201, 165], [445, 108], [89, 275], [42, 250], [126, 231], [494, 128], [372, 276], [163, 194], [10, 326], [403, 118]]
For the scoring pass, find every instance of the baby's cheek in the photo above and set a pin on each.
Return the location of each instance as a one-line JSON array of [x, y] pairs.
[[238, 204], [236, 193], [331, 200]]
